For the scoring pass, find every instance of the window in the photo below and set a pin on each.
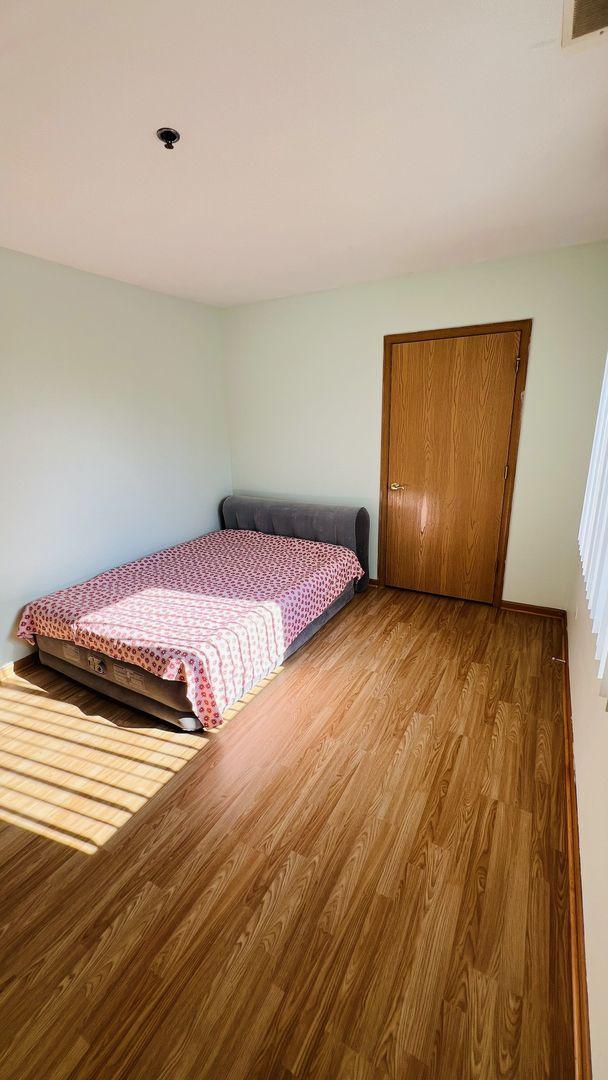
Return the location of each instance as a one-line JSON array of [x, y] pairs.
[[593, 535]]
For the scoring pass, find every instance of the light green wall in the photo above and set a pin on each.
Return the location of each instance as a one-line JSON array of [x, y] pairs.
[[305, 392], [112, 411], [112, 427]]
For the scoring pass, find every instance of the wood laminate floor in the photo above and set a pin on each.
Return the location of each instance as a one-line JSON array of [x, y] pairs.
[[362, 875]]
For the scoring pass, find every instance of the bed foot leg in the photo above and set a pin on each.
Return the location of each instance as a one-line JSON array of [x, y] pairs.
[[189, 723]]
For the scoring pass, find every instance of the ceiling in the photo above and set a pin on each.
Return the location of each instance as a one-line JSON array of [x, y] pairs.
[[323, 143]]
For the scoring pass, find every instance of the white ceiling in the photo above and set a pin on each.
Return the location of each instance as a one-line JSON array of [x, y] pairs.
[[323, 143]]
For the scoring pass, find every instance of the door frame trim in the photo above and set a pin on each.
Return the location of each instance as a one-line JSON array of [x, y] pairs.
[[524, 328]]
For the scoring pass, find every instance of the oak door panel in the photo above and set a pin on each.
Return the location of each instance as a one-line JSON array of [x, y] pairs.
[[451, 404]]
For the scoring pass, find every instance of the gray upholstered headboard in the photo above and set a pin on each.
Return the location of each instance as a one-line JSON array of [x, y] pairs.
[[344, 525]]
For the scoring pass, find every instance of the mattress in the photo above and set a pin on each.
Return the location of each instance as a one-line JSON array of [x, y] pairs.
[[217, 613]]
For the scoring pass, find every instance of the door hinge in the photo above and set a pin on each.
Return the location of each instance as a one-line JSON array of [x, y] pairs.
[[506, 471], [517, 365]]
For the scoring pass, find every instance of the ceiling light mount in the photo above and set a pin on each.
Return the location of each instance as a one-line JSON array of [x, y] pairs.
[[168, 136]]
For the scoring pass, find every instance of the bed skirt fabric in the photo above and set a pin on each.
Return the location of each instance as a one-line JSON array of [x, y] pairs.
[[309, 631]]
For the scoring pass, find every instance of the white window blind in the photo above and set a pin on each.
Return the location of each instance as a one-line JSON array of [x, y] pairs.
[[593, 535]]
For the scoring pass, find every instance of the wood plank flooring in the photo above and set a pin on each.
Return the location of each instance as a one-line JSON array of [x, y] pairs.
[[363, 874]]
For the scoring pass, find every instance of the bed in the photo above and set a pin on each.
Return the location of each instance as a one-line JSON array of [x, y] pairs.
[[184, 633]]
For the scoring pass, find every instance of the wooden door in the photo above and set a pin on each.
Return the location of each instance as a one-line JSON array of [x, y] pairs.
[[451, 409]]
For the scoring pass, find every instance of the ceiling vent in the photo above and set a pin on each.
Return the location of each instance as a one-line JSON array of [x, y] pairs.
[[583, 18]]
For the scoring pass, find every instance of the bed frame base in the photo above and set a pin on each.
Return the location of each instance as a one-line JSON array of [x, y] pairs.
[[181, 718]]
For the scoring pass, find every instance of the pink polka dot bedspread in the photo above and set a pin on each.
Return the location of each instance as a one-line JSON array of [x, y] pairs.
[[216, 613]]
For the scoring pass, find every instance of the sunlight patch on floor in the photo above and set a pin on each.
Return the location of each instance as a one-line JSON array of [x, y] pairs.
[[75, 777]]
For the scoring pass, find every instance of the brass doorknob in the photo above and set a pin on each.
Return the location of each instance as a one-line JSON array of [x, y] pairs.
[[397, 487]]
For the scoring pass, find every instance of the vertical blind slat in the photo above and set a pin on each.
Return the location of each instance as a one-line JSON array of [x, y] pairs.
[[598, 455], [593, 535]]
